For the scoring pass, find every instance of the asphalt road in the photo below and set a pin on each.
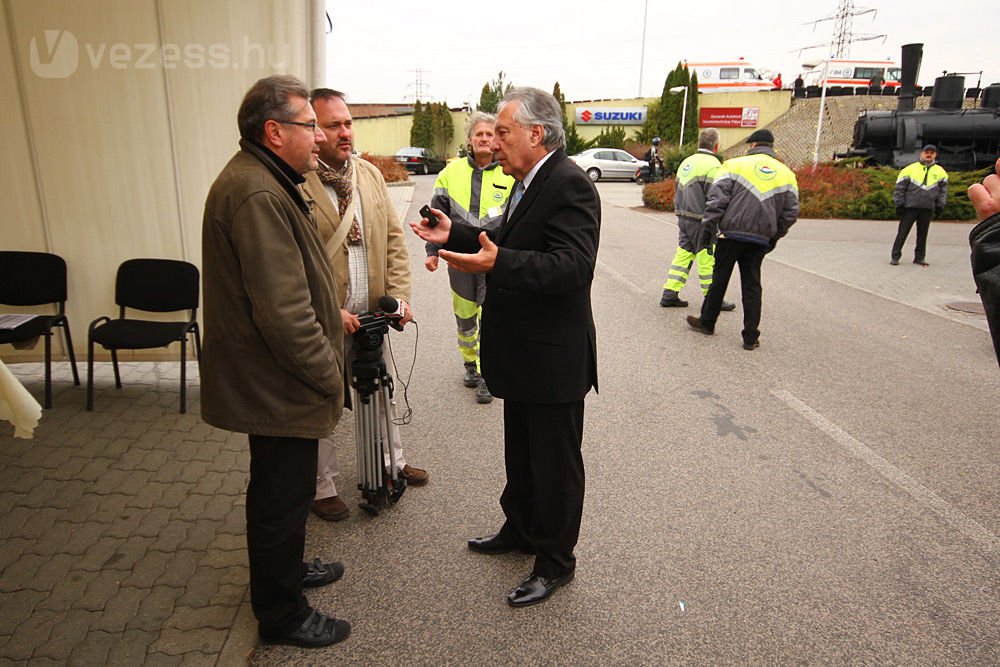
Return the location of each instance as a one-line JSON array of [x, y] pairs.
[[830, 498]]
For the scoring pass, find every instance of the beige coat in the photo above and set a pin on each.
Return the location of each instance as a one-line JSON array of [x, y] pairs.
[[388, 258], [273, 354]]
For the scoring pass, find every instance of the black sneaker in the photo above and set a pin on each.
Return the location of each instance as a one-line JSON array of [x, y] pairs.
[[751, 346], [671, 299], [318, 574], [318, 630], [472, 376], [894, 261], [921, 262]]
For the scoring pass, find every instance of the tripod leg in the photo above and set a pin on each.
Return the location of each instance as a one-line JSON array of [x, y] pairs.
[[386, 415]]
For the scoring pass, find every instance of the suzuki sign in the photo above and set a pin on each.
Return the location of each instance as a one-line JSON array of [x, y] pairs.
[[611, 115]]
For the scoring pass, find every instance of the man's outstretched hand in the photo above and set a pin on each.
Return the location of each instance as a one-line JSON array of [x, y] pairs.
[[985, 196], [481, 262], [438, 233]]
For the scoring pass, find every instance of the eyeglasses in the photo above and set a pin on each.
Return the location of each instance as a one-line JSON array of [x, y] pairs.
[[311, 125]]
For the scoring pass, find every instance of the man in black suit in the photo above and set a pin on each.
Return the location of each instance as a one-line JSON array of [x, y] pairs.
[[538, 344]]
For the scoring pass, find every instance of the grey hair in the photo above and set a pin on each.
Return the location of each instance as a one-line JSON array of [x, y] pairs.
[[269, 99], [476, 118], [708, 138], [538, 108]]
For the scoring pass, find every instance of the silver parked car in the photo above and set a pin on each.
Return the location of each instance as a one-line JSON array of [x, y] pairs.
[[606, 163]]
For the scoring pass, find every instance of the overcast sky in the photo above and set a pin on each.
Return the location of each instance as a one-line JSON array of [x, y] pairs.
[[592, 47]]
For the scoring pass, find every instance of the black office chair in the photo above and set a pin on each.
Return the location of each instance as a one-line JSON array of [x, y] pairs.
[[151, 285], [34, 279]]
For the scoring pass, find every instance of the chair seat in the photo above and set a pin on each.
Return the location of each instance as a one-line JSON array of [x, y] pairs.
[[137, 334], [31, 329]]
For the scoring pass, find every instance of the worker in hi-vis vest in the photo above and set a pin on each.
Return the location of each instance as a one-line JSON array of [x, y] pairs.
[[471, 191], [921, 190], [694, 177]]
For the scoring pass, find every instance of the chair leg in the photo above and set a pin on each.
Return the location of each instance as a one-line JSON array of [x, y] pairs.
[[197, 344], [183, 374], [114, 362], [72, 355], [90, 374], [48, 370]]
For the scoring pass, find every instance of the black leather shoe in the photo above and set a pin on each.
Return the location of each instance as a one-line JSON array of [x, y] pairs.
[[536, 589], [921, 262], [318, 630], [727, 306], [751, 346], [894, 261], [496, 545]]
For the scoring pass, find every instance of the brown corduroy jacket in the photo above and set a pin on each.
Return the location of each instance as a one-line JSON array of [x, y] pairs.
[[273, 354]]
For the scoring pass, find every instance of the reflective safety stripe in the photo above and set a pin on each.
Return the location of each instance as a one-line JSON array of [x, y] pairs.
[[467, 315], [476, 196], [680, 267]]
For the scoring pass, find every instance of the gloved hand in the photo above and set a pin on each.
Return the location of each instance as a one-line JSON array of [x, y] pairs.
[[706, 242], [899, 211], [938, 211]]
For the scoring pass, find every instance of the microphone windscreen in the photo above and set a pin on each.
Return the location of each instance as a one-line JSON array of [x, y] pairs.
[[389, 305]]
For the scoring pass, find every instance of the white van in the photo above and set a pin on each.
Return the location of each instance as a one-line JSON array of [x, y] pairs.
[[852, 73], [728, 77]]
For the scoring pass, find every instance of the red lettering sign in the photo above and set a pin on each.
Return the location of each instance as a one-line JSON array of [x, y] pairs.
[[728, 116]]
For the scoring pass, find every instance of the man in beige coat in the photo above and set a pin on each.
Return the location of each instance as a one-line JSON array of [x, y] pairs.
[[369, 260], [272, 362]]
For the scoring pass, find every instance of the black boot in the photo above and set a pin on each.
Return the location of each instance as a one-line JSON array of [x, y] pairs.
[[471, 377], [671, 299]]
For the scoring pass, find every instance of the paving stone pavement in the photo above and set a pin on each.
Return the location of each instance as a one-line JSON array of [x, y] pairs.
[[122, 531]]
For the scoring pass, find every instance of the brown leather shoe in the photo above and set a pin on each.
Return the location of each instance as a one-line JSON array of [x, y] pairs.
[[330, 509], [414, 476]]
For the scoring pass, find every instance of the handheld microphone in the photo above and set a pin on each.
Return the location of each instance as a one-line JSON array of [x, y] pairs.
[[393, 309]]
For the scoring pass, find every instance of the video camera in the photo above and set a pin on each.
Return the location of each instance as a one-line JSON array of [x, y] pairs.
[[375, 324]]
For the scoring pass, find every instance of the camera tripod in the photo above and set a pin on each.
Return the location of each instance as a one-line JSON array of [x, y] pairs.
[[372, 386]]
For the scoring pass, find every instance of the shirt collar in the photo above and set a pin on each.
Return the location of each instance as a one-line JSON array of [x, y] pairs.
[[534, 170]]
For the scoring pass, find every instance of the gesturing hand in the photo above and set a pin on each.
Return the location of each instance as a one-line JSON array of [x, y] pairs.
[[438, 233], [985, 196], [481, 262]]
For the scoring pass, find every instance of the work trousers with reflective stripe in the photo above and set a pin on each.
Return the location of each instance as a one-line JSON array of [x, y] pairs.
[[468, 290], [688, 253]]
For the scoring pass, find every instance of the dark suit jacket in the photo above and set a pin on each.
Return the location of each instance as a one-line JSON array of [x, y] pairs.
[[538, 342]]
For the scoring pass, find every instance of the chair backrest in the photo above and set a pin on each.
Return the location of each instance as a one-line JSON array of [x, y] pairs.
[[157, 285], [31, 278]]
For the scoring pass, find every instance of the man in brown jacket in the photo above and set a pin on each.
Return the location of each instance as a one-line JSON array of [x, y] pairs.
[[272, 365], [367, 249]]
